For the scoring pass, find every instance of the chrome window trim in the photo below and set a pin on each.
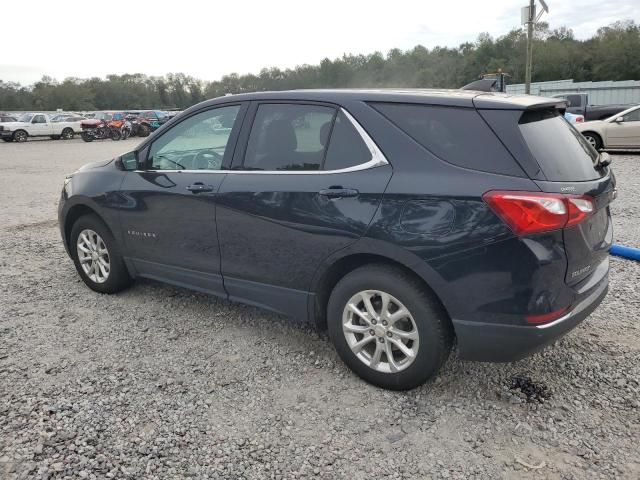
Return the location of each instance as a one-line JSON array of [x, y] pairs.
[[377, 160]]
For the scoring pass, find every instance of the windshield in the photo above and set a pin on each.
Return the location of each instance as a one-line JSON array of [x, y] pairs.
[[561, 151], [25, 117]]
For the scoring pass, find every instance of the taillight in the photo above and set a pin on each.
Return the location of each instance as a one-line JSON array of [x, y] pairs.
[[547, 317], [579, 119], [532, 212]]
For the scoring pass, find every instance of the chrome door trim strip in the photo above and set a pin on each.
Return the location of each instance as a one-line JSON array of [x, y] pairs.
[[377, 160]]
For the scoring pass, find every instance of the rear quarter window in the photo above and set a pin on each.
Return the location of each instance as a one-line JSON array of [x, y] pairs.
[[456, 135]]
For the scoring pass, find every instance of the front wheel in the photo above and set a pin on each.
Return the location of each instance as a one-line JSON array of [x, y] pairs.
[[20, 136], [115, 134], [68, 134], [594, 139], [388, 328], [86, 137], [97, 257]]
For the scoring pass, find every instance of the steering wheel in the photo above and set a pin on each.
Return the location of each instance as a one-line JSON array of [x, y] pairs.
[[207, 159]]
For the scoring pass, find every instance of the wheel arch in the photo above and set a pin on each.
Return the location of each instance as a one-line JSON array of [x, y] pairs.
[[326, 279], [593, 132], [74, 213]]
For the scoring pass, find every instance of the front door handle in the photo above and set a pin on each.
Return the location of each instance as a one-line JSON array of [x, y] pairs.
[[339, 192], [200, 187]]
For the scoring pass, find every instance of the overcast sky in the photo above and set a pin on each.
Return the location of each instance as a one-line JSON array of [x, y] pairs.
[[209, 38]]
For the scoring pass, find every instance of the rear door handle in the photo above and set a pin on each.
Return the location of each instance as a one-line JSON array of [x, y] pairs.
[[339, 192], [200, 187]]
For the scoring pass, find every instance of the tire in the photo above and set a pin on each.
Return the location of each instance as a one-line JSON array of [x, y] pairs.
[[431, 346], [20, 136], [68, 134], [144, 131], [594, 139], [115, 134], [117, 277], [86, 137], [8, 140], [55, 137]]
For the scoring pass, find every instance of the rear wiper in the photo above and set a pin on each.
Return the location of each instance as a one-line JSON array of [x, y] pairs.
[[604, 160]]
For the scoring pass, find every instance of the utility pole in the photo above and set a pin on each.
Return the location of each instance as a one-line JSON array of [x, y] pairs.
[[530, 20], [529, 17]]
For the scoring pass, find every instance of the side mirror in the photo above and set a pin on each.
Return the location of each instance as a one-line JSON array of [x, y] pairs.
[[619, 119], [128, 161]]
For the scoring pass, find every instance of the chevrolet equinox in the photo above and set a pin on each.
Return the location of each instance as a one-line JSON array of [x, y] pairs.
[[400, 221]]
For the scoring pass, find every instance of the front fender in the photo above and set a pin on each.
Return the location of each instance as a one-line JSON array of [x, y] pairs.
[[92, 191]]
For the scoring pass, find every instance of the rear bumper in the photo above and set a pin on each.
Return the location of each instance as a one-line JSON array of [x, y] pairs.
[[490, 342]]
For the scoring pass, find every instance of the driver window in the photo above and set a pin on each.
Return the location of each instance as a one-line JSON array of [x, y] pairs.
[[632, 116], [39, 119], [197, 143]]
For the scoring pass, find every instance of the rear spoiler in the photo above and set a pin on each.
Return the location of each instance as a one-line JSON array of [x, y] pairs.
[[504, 101]]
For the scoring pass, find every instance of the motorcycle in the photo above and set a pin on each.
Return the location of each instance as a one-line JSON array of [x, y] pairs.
[[94, 130], [120, 129]]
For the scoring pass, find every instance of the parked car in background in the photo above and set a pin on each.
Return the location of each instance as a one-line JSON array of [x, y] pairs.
[[573, 118], [155, 118], [399, 220], [578, 103], [37, 125], [621, 131], [67, 117], [4, 118]]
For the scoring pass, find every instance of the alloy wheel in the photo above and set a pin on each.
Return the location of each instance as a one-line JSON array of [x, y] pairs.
[[93, 256], [591, 140], [380, 331]]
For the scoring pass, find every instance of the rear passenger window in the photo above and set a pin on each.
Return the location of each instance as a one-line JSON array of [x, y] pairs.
[[457, 135], [346, 147], [574, 100], [288, 137]]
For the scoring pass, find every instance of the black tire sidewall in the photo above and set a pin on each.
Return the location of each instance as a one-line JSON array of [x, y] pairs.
[[118, 275], [430, 319], [19, 134], [597, 139]]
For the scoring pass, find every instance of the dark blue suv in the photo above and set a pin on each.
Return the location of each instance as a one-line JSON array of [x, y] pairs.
[[401, 221]]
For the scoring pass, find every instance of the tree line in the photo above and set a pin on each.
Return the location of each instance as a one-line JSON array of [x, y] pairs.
[[613, 53]]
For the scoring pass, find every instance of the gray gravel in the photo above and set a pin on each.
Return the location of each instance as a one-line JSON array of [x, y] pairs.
[[159, 382]]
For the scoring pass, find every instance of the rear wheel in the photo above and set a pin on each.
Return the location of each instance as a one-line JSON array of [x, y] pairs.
[[20, 136], [115, 134], [86, 137], [594, 139], [388, 328], [68, 134], [97, 257]]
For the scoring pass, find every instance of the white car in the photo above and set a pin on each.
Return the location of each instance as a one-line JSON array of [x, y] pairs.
[[37, 125], [621, 131]]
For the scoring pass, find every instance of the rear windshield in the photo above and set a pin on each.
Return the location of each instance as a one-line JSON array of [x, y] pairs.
[[561, 151]]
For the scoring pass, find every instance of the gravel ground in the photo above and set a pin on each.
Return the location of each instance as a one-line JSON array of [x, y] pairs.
[[159, 382]]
